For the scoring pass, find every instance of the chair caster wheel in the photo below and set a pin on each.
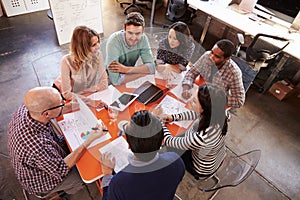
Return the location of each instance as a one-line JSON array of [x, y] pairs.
[[260, 90]]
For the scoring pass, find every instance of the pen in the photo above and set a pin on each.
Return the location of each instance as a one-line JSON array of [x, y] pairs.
[[96, 128]]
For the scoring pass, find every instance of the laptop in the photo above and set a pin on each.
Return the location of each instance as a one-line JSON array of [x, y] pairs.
[[247, 6], [148, 93]]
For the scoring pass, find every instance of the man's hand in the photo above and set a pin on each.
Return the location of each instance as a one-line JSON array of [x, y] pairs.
[[186, 93], [107, 163], [96, 133], [118, 67], [157, 111]]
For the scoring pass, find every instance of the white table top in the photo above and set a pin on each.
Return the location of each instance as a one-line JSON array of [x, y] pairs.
[[241, 22]]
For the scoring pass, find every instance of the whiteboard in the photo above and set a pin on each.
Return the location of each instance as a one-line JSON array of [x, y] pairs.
[[67, 14]]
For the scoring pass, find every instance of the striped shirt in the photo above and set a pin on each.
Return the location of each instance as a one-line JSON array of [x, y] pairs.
[[37, 153], [229, 77], [208, 150]]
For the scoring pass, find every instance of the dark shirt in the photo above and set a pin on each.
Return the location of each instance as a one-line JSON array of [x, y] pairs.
[[157, 179], [180, 55]]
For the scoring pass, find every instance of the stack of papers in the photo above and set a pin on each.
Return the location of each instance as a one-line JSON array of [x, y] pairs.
[[76, 126]]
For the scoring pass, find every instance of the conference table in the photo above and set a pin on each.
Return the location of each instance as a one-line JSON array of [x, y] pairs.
[[89, 164], [245, 24]]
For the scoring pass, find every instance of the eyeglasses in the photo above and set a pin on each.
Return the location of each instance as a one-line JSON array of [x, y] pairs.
[[59, 106]]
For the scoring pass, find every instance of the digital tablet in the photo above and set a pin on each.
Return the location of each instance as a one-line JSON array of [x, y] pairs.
[[123, 101]]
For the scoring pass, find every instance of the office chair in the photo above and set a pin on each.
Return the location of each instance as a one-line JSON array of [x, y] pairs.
[[234, 170], [49, 196], [133, 4], [263, 51], [179, 10]]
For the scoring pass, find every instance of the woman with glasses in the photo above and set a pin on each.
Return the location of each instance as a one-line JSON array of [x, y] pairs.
[[202, 146], [82, 70]]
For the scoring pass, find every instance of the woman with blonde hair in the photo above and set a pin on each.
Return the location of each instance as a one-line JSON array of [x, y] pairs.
[[82, 70]]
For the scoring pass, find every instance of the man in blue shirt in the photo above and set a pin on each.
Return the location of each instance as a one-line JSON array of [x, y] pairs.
[[149, 174]]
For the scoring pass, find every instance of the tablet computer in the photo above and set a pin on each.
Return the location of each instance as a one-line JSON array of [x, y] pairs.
[[123, 101]]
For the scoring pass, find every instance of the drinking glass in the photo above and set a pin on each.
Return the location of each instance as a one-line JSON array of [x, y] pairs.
[[113, 114]]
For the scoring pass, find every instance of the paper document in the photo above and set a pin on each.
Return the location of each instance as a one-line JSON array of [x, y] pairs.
[[119, 150], [136, 83], [173, 79], [172, 106], [76, 126], [108, 95]]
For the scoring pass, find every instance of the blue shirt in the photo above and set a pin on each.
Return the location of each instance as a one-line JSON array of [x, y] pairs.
[[157, 179]]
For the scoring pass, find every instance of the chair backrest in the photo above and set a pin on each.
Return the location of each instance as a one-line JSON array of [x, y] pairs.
[[233, 171], [248, 74], [47, 67], [265, 47]]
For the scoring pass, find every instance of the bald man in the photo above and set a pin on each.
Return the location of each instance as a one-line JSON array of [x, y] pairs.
[[38, 153]]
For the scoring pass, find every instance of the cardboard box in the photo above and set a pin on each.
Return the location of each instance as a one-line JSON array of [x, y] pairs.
[[281, 89]]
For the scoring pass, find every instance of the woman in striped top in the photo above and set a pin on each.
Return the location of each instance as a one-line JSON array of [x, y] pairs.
[[203, 142]]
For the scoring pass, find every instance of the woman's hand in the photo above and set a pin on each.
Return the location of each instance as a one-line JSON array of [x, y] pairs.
[[70, 106], [166, 118], [96, 103]]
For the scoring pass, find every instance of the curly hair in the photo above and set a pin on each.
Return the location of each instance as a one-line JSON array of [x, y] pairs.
[[134, 18]]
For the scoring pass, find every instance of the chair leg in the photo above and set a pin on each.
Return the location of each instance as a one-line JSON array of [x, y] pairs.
[[89, 192], [178, 197], [124, 3], [25, 195], [213, 195]]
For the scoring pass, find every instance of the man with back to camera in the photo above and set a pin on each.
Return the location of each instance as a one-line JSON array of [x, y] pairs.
[[124, 48], [149, 175], [217, 67], [39, 154]]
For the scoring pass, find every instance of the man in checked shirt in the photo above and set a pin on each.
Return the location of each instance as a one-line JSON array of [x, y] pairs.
[[217, 67], [38, 153]]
